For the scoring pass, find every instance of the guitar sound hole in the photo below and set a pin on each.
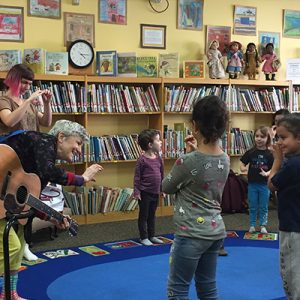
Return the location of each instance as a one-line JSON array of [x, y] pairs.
[[21, 194]]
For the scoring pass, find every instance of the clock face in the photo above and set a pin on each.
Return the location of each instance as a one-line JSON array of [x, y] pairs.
[[81, 54]]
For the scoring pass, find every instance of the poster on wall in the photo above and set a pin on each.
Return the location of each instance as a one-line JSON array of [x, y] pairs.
[[291, 23], [190, 14], [220, 33], [293, 70], [113, 11], [44, 8], [244, 20], [11, 23], [79, 27], [265, 38]]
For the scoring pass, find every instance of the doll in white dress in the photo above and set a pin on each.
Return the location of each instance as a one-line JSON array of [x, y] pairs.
[[215, 65]]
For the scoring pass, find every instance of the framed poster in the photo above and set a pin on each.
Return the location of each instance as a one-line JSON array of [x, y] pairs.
[[44, 8], [79, 27], [113, 11], [244, 20], [268, 37], [190, 14], [220, 33], [194, 69], [11, 23], [291, 23], [153, 36]]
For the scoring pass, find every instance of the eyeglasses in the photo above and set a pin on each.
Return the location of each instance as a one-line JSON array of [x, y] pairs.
[[24, 81]]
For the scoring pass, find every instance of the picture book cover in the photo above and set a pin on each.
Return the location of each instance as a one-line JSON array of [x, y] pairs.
[[194, 69], [232, 234], [33, 262], [127, 64], [9, 58], [106, 63], [122, 245], [60, 253], [261, 236], [146, 66], [93, 250], [169, 65], [57, 63], [35, 59]]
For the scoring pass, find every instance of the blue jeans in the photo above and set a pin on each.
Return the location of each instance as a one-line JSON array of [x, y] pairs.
[[258, 198], [190, 257]]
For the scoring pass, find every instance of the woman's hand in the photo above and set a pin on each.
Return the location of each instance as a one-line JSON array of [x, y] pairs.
[[47, 96], [64, 225], [191, 143], [34, 97], [91, 171]]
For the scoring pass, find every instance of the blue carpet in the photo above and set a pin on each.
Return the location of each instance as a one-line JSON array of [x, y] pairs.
[[250, 272]]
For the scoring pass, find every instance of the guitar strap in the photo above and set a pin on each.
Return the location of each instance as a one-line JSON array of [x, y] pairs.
[[10, 134]]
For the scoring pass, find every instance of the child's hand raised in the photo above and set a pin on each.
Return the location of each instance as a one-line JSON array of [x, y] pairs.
[[191, 143]]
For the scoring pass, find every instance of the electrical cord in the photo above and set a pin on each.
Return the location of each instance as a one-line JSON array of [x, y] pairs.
[[159, 11]]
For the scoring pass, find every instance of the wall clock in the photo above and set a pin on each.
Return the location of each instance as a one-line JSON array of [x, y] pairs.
[[81, 54]]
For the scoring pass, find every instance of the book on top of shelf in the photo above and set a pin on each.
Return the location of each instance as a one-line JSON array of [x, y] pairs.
[[106, 63], [35, 59], [57, 63], [9, 58], [169, 65], [146, 66], [127, 64], [194, 69]]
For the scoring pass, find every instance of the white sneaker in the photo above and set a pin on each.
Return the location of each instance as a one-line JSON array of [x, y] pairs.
[[28, 254], [156, 240], [263, 229], [146, 242], [252, 229]]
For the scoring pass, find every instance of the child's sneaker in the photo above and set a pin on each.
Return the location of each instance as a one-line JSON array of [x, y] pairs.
[[146, 242], [156, 240], [252, 229], [263, 229]]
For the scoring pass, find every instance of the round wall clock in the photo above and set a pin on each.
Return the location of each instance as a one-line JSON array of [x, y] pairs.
[[81, 54]]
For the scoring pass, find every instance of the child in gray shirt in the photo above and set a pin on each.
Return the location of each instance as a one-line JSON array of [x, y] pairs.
[[197, 179]]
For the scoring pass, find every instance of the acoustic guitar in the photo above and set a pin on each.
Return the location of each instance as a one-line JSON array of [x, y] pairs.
[[21, 190]]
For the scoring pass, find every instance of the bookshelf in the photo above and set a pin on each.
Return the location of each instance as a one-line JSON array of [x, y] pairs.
[[119, 173]]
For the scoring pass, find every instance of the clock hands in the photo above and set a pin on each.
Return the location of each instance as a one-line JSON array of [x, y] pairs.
[[83, 55]]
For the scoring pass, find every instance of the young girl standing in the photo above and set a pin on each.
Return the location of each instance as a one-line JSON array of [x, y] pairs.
[[197, 179], [258, 162], [147, 184], [285, 179]]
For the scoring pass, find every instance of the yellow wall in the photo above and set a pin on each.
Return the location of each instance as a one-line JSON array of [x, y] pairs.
[[48, 33]]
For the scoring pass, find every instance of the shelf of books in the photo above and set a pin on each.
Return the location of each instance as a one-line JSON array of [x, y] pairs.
[[115, 109], [252, 104]]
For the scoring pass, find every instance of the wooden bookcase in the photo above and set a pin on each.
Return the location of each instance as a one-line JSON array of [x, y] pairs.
[[120, 173]]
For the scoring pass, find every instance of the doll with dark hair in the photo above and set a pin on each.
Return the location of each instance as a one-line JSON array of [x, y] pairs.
[[272, 62], [235, 59], [252, 61]]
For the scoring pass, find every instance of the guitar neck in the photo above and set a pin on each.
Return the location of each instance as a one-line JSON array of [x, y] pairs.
[[42, 207]]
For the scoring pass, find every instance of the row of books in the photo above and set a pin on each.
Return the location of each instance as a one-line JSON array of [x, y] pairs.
[[114, 147], [103, 199], [240, 140], [181, 98], [76, 201], [121, 98], [39, 60], [296, 99], [258, 99]]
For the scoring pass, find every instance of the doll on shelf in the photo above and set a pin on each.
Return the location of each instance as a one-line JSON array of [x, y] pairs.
[[215, 65], [235, 60], [252, 60], [272, 62]]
